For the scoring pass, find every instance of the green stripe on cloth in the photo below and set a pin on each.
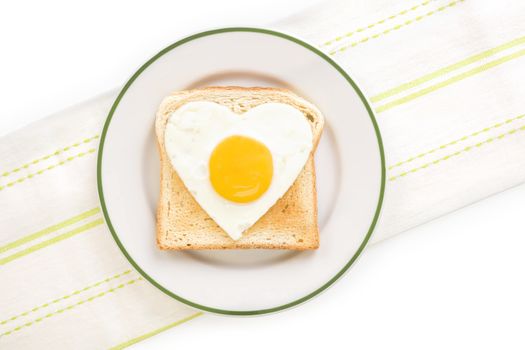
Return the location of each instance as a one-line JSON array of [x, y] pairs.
[[456, 141], [155, 332], [448, 69], [49, 230], [51, 241], [71, 307], [411, 21], [47, 156], [64, 297], [53, 166], [460, 152], [450, 81], [372, 25]]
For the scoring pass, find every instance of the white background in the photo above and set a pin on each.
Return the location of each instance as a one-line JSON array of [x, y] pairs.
[[455, 283]]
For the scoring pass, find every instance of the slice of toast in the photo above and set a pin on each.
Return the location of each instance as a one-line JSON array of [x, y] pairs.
[[291, 223]]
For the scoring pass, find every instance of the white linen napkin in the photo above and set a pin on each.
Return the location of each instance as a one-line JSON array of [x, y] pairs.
[[444, 77]]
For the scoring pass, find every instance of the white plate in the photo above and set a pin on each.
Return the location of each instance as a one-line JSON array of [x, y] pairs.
[[349, 165]]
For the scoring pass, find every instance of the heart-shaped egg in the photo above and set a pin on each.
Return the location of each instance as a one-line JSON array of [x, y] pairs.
[[237, 165]]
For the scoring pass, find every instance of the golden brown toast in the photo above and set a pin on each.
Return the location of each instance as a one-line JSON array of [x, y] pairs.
[[291, 223]]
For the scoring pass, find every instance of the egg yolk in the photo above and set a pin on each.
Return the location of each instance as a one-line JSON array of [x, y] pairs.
[[241, 169]]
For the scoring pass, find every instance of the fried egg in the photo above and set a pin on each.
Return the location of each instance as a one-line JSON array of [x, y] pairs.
[[237, 165]]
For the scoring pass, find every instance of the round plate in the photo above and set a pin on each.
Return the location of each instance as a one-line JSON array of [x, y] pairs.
[[349, 164]]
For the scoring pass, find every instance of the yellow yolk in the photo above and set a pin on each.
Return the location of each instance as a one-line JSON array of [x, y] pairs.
[[241, 169]]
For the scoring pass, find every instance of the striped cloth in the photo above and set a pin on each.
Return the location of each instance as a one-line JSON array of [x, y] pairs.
[[445, 80]]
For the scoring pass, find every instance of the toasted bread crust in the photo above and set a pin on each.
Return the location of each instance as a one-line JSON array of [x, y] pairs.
[[291, 223]]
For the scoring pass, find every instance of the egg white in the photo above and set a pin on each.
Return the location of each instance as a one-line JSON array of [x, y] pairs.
[[194, 130]]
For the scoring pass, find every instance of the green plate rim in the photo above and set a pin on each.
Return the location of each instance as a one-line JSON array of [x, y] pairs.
[[261, 31]]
